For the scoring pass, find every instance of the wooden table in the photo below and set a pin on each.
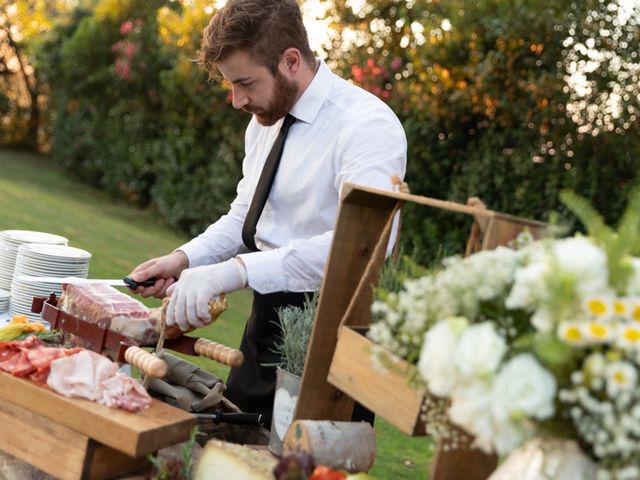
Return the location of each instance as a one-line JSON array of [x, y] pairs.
[[76, 439]]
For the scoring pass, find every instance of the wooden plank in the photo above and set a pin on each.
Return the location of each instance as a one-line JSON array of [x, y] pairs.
[[462, 464], [357, 231], [41, 442], [387, 393], [132, 433], [105, 462], [373, 197]]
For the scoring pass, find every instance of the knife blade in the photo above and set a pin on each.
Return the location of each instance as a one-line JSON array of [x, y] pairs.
[[73, 280], [125, 282]]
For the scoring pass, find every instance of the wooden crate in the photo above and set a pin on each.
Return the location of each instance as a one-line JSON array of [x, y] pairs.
[[334, 377], [384, 391], [73, 438]]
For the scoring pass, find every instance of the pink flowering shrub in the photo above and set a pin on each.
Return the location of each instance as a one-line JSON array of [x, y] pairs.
[[377, 78], [127, 50]]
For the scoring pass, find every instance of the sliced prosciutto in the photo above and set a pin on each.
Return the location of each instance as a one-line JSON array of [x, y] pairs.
[[94, 377], [41, 358], [124, 392], [81, 375], [14, 357], [30, 357]]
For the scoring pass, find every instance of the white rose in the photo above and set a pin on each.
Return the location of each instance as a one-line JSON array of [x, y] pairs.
[[436, 358], [523, 388], [542, 319], [479, 350], [509, 435], [584, 261], [471, 409], [527, 286]]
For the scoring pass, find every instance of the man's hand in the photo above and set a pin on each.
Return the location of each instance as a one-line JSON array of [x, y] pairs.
[[166, 268], [190, 296]]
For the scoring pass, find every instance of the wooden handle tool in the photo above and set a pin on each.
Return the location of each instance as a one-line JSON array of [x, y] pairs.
[[147, 363], [218, 352]]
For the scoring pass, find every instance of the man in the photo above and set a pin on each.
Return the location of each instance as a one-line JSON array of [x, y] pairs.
[[276, 236]]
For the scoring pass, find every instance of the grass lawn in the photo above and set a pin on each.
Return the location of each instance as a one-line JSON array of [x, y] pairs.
[[35, 195]]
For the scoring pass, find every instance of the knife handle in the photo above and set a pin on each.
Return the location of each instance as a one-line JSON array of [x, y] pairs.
[[145, 362], [220, 353]]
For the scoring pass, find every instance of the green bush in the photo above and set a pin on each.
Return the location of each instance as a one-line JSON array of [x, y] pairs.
[[133, 114]]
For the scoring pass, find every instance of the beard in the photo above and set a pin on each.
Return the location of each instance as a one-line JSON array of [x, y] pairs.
[[284, 96]]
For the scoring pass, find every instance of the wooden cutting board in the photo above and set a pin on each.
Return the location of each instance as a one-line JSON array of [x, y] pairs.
[[134, 434]]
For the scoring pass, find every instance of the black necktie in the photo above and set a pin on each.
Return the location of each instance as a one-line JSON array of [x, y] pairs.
[[264, 185]]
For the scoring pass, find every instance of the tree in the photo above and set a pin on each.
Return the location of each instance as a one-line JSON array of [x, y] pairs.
[[22, 21], [485, 94]]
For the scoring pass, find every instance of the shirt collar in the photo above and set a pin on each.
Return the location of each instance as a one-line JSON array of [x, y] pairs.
[[310, 102]]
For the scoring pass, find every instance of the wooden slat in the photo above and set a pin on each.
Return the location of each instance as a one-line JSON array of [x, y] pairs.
[[41, 442], [356, 234], [132, 433], [373, 197], [387, 393], [105, 462], [462, 464]]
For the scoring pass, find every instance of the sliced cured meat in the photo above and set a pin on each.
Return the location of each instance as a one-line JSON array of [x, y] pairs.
[[41, 358], [94, 377], [7, 351], [14, 356], [124, 392], [81, 375], [18, 365], [40, 376]]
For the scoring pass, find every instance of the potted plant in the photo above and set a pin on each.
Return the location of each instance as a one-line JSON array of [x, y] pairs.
[[295, 325]]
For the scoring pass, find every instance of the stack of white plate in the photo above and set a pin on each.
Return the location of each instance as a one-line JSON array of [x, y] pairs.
[[10, 241], [42, 260], [4, 300]]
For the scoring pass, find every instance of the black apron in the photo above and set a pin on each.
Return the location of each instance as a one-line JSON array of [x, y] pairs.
[[252, 386]]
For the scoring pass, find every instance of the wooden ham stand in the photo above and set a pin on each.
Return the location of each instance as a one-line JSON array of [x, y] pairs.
[[338, 368]]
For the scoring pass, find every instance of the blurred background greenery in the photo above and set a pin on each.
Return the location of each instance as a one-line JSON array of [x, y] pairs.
[[509, 100]]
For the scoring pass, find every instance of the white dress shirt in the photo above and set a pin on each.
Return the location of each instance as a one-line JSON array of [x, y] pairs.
[[342, 134]]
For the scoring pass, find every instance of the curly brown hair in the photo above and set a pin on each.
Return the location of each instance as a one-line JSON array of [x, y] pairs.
[[264, 28]]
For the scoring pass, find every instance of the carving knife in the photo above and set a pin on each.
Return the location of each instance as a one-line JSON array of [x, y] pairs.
[[124, 282]]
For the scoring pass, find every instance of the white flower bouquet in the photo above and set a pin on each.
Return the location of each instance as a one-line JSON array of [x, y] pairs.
[[540, 340]]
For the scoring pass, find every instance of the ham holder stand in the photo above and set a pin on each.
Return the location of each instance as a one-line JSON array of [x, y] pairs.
[[100, 339]]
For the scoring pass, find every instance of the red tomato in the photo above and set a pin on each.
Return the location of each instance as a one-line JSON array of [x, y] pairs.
[[326, 473]]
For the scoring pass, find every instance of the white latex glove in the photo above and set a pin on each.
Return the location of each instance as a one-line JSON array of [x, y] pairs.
[[190, 296]]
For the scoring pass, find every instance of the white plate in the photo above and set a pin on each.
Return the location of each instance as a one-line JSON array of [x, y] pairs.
[[17, 237], [49, 252]]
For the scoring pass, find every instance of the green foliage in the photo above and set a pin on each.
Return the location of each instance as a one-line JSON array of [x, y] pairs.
[[295, 329], [561, 359], [394, 272], [483, 96], [132, 113], [619, 244], [175, 468]]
